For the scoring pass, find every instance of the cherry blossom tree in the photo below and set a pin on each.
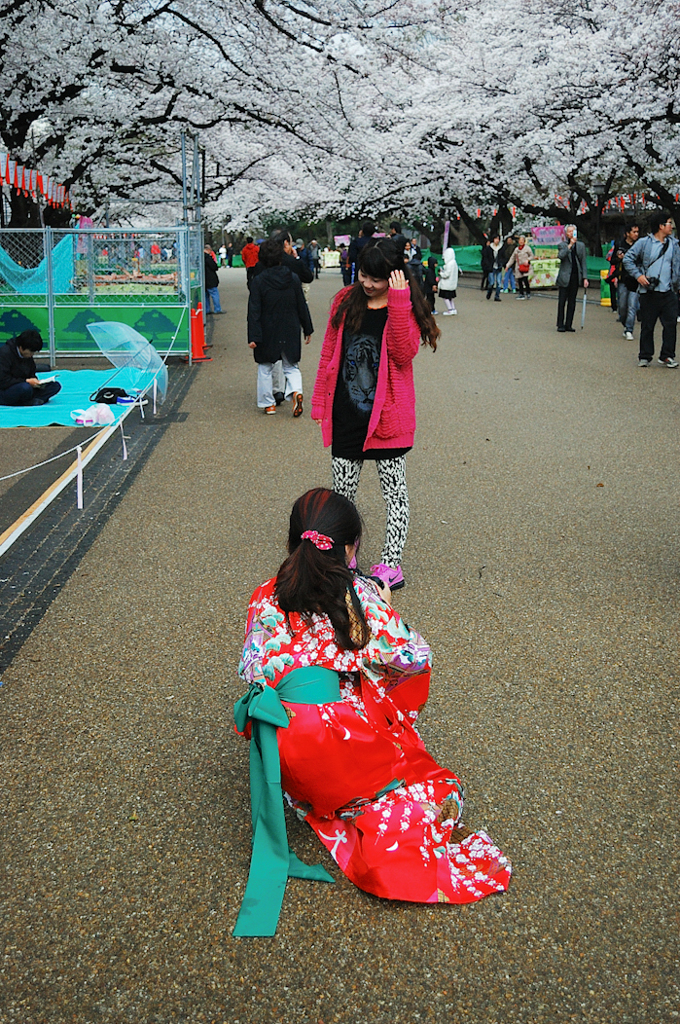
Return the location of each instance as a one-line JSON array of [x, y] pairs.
[[359, 107]]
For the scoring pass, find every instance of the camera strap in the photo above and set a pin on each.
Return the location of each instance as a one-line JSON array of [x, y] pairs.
[[664, 250]]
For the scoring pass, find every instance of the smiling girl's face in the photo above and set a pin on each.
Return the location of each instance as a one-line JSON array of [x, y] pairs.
[[373, 287]]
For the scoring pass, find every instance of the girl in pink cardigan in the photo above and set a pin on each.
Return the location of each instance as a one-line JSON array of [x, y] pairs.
[[364, 397]]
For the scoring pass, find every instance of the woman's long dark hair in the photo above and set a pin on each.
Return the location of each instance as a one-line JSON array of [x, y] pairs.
[[378, 261], [311, 580]]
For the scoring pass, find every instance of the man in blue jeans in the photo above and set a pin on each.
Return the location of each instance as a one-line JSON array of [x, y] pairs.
[[492, 262], [627, 297], [18, 382], [654, 262], [212, 281]]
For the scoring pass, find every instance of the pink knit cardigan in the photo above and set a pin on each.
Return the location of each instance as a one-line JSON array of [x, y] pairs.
[[393, 419]]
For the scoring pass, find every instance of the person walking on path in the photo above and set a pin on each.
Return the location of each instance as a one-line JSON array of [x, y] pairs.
[[364, 397], [304, 254], [520, 262], [289, 258], [19, 384], [364, 238], [492, 266], [627, 296], [276, 312], [654, 262], [484, 260], [572, 273], [250, 256], [342, 678], [315, 250], [211, 281], [448, 282], [345, 268], [509, 283], [430, 283]]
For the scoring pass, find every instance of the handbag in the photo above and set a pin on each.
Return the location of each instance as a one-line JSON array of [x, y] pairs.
[[523, 268]]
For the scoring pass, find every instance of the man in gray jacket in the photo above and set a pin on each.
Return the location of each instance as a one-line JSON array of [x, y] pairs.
[[572, 273], [654, 262]]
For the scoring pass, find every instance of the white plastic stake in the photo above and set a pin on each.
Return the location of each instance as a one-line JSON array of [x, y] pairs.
[[122, 436], [140, 399], [155, 394], [79, 477]]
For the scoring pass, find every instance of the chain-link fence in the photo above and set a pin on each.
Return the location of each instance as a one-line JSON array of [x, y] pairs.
[[58, 281]]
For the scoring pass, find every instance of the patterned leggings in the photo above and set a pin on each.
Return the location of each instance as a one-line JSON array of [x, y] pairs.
[[392, 476]]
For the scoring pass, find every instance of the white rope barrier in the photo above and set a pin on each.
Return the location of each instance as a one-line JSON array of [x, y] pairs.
[[54, 458]]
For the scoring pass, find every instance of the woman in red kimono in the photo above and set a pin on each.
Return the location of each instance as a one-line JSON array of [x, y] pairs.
[[352, 763]]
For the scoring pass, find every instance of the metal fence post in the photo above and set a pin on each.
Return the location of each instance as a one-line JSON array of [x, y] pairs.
[[47, 245], [185, 274], [201, 270], [91, 294]]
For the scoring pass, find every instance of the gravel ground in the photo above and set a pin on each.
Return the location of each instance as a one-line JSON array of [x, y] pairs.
[[542, 567]]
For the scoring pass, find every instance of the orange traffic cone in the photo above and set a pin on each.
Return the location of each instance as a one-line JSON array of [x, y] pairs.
[[198, 338], [199, 308]]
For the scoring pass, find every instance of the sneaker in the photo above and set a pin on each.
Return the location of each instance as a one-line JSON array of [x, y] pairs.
[[394, 578], [454, 312], [270, 410], [435, 312], [448, 312], [520, 298], [644, 362], [628, 335], [297, 404], [497, 299], [669, 362]]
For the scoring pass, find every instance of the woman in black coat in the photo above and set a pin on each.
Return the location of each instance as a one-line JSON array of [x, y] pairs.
[[276, 312]]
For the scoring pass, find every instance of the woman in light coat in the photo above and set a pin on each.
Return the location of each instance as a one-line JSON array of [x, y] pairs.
[[448, 282], [520, 262]]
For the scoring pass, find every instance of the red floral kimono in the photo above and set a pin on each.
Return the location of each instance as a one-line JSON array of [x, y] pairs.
[[356, 770]]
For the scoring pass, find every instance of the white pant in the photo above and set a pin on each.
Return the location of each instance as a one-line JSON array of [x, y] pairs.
[[265, 390]]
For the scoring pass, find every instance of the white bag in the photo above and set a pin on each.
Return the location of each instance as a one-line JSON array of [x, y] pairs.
[[99, 415]]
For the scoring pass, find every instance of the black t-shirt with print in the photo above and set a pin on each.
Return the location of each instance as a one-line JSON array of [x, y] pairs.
[[355, 389]]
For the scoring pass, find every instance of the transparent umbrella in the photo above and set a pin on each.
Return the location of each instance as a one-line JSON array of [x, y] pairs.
[[137, 360]]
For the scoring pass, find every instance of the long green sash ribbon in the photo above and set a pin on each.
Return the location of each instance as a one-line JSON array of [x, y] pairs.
[[272, 861]]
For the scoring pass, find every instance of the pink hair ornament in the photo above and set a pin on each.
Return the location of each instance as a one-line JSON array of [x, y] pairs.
[[318, 540]]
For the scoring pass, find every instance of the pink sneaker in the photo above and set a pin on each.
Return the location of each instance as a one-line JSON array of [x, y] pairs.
[[394, 578]]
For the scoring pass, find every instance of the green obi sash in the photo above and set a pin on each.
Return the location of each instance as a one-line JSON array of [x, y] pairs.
[[272, 861]]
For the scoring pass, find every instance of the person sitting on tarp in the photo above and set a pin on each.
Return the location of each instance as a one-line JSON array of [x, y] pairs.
[[18, 382]]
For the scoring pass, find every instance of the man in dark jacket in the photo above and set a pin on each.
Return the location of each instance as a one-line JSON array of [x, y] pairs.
[[211, 282], [357, 244], [654, 262], [276, 312], [18, 382], [572, 274], [626, 286], [289, 258]]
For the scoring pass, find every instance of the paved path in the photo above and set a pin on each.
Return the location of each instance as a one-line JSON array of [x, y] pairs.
[[551, 605]]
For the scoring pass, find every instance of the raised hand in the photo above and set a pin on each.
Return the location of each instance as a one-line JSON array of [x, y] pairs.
[[398, 280]]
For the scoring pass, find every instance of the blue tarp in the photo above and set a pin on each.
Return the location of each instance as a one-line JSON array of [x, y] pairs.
[[76, 388], [33, 280]]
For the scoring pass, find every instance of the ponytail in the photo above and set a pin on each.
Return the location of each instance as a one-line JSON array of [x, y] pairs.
[[314, 579]]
